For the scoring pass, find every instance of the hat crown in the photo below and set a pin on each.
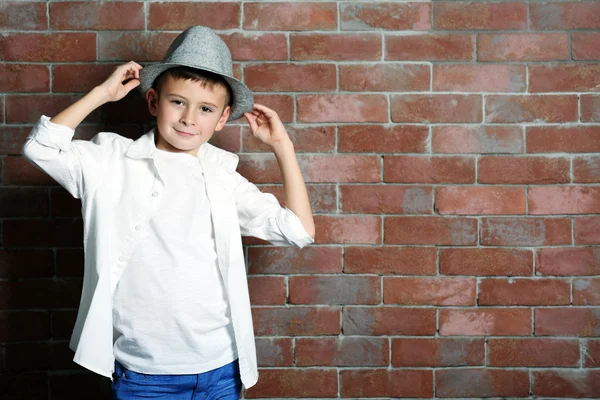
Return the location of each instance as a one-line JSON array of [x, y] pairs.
[[201, 48]]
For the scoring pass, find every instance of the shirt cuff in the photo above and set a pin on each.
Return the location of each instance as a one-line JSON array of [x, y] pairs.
[[52, 135], [292, 228]]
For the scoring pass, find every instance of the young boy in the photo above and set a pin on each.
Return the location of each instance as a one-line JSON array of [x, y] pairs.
[[165, 310]]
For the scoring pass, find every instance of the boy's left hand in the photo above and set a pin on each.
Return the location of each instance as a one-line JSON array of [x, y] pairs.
[[267, 126]]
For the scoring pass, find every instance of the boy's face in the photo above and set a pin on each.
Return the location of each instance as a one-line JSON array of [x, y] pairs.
[[187, 114]]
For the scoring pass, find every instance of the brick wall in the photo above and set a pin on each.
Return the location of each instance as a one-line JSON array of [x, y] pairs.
[[451, 151]]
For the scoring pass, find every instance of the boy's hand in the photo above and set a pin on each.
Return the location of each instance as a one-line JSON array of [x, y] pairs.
[[267, 126], [113, 86]]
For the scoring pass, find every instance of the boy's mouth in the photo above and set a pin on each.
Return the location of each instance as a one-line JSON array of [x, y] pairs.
[[184, 134]]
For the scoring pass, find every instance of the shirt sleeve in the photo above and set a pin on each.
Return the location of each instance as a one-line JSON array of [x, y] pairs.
[[261, 216], [74, 164]]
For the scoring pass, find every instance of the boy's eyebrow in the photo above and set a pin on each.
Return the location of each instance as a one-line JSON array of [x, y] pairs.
[[183, 97]]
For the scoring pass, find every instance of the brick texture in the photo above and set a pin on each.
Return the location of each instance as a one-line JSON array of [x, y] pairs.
[[451, 150]]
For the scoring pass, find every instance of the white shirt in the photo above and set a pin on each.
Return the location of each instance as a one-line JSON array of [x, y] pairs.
[[170, 312], [116, 178]]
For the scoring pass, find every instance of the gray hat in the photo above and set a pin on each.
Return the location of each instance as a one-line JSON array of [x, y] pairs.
[[201, 48]]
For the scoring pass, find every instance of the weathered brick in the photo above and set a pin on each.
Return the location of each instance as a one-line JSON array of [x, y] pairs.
[[429, 169], [586, 291], [345, 351], [386, 383], [23, 16], [342, 108], [441, 231], [29, 108], [586, 169], [429, 47], [378, 321], [567, 321], [97, 16], [290, 16], [522, 46], [296, 321], [24, 325], [542, 108], [430, 291], [348, 229], [274, 352], [585, 45], [565, 383], [269, 290], [178, 16], [288, 260], [336, 47], [311, 139], [587, 230], [88, 76], [40, 293], [69, 263], [490, 383], [37, 233], [280, 383], [139, 46], [564, 78], [590, 108], [486, 261], [48, 47], [523, 170], [23, 202], [438, 352], [228, 138], [432, 108], [477, 139], [23, 78], [385, 16], [390, 260], [282, 104], [564, 200], [479, 78], [560, 139], [17, 171], [480, 16], [485, 322], [33, 385], [61, 323], [26, 264], [13, 138], [382, 139], [565, 15], [246, 46], [335, 290], [525, 231], [290, 77], [591, 353], [565, 261], [524, 292], [533, 352], [386, 199], [480, 200], [386, 77], [323, 198]]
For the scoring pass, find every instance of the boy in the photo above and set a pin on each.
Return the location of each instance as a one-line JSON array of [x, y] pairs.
[[165, 309]]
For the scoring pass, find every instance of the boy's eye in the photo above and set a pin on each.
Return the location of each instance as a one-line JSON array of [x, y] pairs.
[[177, 102], [206, 109]]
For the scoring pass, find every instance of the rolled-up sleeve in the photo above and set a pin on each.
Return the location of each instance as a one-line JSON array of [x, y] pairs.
[[261, 216]]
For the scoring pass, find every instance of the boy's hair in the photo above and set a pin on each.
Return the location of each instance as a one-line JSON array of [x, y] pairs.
[[205, 78]]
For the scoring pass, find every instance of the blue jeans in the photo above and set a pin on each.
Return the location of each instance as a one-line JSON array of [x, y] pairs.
[[223, 383]]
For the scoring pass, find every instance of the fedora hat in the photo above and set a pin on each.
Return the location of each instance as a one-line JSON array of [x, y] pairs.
[[201, 48]]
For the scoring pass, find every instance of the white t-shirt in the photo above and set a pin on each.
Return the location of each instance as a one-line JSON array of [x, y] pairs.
[[170, 313]]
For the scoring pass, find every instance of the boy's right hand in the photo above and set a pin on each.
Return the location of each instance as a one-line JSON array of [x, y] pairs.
[[113, 86]]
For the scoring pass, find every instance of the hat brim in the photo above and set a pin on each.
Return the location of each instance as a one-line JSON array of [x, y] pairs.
[[243, 100]]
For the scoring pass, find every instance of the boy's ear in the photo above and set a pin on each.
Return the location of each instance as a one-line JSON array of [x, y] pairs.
[[223, 119], [152, 99]]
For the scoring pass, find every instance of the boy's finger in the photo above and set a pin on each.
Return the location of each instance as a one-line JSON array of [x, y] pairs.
[[132, 84]]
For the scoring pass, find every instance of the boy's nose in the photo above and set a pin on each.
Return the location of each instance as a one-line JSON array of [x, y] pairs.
[[187, 118]]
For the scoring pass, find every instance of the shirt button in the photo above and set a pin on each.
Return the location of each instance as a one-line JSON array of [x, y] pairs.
[[155, 194], [138, 227], [121, 258]]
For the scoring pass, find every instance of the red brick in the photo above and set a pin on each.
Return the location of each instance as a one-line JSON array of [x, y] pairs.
[[439, 352], [386, 199], [23, 16], [228, 139], [40, 293], [480, 16], [567, 321], [485, 322], [585, 45], [290, 77], [24, 325], [390, 260], [342, 108], [23, 202], [525, 231], [523, 170], [586, 291], [36, 233], [88, 76], [26, 357], [294, 382], [48, 47], [567, 261], [479, 77], [62, 322], [533, 352], [564, 200], [23, 78], [477, 139], [430, 291], [178, 16], [378, 321], [345, 351], [566, 383], [348, 229], [267, 290], [586, 169], [587, 230], [591, 353], [335, 47], [429, 47], [382, 139], [97, 16], [576, 15], [323, 198], [335, 290], [13, 138], [480, 200], [386, 77], [386, 383], [139, 46], [522, 46], [290, 16], [257, 46], [559, 139], [517, 109], [440, 231], [460, 383], [486, 261], [25, 386], [275, 352], [590, 108], [132, 109], [564, 78], [69, 263], [387, 16], [17, 171], [26, 264], [296, 321], [282, 104], [29, 108], [288, 260], [432, 108], [311, 139], [429, 169], [524, 292]]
